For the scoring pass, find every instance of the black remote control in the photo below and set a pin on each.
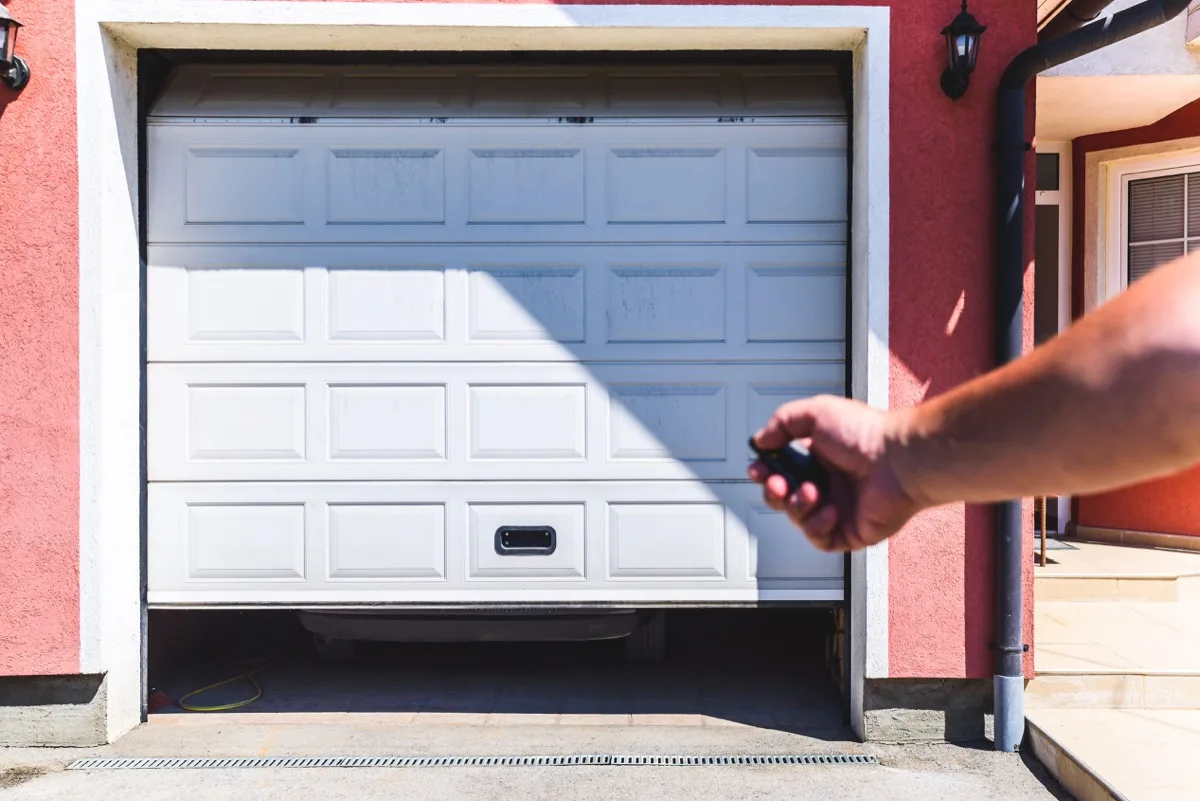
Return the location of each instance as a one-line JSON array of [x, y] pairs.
[[797, 465]]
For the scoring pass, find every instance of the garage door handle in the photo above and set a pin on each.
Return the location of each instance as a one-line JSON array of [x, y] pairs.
[[526, 540]]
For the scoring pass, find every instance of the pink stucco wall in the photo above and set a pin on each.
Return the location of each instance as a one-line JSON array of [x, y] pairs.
[[941, 263], [39, 354], [940, 592]]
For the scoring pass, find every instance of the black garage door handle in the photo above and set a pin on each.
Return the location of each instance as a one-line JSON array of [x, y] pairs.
[[526, 540]]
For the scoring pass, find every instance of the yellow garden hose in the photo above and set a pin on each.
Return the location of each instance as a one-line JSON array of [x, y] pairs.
[[247, 674]]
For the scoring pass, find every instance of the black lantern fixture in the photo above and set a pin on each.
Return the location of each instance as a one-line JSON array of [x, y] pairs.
[[14, 72], [962, 45]]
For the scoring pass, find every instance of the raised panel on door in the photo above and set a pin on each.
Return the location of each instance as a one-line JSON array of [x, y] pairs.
[[465, 421], [433, 542], [518, 303], [407, 182]]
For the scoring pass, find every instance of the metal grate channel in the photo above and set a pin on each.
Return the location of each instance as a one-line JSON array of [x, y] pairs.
[[238, 763], [743, 760]]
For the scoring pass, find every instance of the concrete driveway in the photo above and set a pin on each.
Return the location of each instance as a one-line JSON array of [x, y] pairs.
[[904, 772]]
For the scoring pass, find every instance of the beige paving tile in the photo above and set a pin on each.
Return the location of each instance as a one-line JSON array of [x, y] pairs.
[[1182, 618], [1120, 560], [1149, 635], [1189, 589], [1048, 630], [1143, 754], [1164, 794], [1077, 589], [1079, 658], [1100, 617], [1162, 653], [1112, 691], [1148, 589], [1171, 692]]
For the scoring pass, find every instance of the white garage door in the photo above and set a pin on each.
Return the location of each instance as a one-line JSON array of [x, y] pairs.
[[479, 336]]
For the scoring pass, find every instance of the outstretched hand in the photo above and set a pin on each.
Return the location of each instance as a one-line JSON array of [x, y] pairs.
[[867, 503]]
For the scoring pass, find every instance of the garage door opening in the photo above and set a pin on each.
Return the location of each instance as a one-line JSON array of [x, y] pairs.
[[752, 667], [493, 337]]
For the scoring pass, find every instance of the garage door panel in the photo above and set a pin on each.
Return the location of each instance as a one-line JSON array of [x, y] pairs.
[[386, 185], [501, 303], [422, 542], [742, 180], [465, 421], [471, 335]]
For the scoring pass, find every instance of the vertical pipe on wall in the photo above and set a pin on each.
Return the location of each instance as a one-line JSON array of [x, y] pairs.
[[1009, 681], [1011, 147]]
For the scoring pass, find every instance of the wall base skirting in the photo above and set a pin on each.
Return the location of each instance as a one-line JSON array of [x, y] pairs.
[[53, 710], [1140, 539], [911, 711]]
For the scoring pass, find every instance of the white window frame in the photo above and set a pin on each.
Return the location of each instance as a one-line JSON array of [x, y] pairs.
[[1114, 277], [1062, 198]]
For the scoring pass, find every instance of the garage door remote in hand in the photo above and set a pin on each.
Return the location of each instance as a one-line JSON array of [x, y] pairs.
[[797, 465]]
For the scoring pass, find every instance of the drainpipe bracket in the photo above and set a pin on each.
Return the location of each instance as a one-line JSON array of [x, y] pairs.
[[1009, 649]]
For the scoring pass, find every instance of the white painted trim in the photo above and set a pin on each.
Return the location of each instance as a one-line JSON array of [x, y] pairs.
[[110, 373], [1115, 275], [1063, 198], [1096, 212], [107, 34]]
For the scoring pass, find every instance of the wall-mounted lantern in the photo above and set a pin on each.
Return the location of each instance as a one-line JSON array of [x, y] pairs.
[[962, 45], [14, 71]]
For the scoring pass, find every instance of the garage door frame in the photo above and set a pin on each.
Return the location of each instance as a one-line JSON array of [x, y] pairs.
[[108, 35]]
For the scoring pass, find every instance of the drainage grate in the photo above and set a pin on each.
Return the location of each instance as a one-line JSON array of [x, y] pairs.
[[764, 759], [234, 763]]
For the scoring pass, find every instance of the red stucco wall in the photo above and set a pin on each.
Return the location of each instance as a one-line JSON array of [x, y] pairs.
[[1172, 505], [941, 255], [941, 616], [39, 354]]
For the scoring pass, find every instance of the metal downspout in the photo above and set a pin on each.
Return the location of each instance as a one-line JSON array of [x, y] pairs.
[[1011, 147]]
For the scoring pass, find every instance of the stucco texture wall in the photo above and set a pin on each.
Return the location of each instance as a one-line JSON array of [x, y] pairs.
[[941, 604], [39, 354], [1170, 505]]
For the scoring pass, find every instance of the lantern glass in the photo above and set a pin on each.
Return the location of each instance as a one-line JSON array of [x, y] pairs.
[[8, 41], [962, 42]]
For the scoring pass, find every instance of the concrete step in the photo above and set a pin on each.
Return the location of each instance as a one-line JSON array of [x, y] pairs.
[[1117, 637], [1090, 572], [1090, 588], [1165, 690], [1125, 755], [1080, 779]]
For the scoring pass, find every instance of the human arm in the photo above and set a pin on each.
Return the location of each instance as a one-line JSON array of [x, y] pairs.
[[1113, 401]]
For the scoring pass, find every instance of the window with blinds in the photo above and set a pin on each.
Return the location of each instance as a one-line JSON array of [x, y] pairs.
[[1164, 221]]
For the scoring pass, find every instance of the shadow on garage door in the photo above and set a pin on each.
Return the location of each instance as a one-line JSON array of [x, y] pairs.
[[762, 668]]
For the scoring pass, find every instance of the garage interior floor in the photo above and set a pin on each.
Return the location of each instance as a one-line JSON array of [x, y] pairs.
[[760, 668]]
